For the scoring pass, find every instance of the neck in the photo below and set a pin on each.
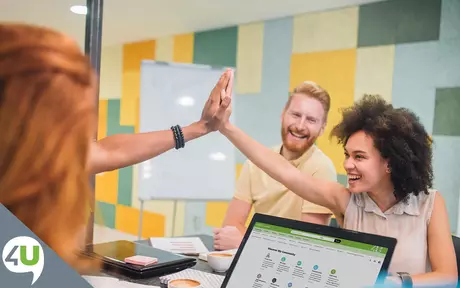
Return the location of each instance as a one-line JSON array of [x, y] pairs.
[[384, 197], [290, 155]]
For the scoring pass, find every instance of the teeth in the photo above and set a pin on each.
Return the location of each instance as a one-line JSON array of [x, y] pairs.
[[297, 135], [353, 177]]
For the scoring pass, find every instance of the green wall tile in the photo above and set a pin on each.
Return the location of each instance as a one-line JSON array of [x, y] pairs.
[[342, 179], [399, 21], [107, 212], [450, 19], [216, 47], [125, 175], [447, 112], [113, 116], [125, 186]]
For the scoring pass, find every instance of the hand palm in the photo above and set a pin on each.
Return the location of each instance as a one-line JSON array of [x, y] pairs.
[[217, 108]]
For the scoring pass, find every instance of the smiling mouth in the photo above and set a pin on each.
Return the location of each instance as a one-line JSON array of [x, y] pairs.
[[353, 178], [298, 136]]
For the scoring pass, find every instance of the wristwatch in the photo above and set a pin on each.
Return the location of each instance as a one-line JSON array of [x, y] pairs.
[[406, 279]]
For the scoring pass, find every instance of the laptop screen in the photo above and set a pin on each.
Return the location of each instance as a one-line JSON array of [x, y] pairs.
[[276, 256]]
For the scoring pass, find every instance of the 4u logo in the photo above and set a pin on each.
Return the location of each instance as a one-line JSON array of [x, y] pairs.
[[22, 255]]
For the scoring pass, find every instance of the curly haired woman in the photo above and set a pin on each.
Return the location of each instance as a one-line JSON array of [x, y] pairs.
[[388, 162]]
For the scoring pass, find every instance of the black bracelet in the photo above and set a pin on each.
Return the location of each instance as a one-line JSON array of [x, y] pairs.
[[178, 136]]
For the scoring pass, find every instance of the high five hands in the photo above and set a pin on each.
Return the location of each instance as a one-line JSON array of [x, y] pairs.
[[217, 108]]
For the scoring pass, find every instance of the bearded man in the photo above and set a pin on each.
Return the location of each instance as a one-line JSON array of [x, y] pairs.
[[303, 120]]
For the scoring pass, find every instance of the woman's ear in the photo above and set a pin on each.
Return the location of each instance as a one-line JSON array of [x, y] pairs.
[[388, 168]]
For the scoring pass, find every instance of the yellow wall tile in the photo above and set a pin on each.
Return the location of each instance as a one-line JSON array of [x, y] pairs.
[[329, 30], [134, 53], [127, 219], [215, 213], [249, 58], [334, 71], [374, 71], [102, 119], [107, 187], [129, 112], [111, 72], [183, 48], [164, 49], [153, 225], [238, 170], [130, 94]]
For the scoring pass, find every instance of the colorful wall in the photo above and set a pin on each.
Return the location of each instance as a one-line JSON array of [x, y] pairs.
[[406, 50]]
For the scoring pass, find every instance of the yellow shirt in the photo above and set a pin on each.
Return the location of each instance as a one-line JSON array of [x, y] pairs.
[[271, 197]]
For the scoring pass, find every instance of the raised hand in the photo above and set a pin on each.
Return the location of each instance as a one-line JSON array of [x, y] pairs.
[[226, 95], [215, 108]]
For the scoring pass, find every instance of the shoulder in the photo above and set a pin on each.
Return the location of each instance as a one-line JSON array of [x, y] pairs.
[[425, 199], [425, 202]]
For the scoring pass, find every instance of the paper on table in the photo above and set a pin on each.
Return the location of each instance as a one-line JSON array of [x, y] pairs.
[[207, 280], [109, 282], [181, 245]]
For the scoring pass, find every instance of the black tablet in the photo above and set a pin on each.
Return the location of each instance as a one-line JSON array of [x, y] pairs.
[[277, 252], [113, 255]]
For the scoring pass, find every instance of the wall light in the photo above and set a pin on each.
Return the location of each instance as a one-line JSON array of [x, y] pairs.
[[79, 9], [186, 101], [218, 156]]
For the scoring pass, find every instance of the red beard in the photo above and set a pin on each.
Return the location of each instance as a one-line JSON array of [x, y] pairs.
[[298, 145]]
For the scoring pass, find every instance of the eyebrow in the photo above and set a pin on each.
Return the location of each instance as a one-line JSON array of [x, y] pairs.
[[356, 151]]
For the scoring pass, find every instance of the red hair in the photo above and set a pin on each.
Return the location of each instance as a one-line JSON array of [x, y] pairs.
[[47, 120]]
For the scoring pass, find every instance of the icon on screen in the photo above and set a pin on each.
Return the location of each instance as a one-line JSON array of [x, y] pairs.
[[315, 267], [259, 276], [283, 259], [333, 271], [289, 284], [299, 263], [274, 280]]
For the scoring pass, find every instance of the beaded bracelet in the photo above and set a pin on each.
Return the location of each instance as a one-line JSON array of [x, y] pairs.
[[178, 136]]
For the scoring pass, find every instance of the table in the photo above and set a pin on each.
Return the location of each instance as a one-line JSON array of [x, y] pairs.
[[208, 241]]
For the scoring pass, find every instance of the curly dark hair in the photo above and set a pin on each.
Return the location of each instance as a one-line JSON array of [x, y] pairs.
[[399, 136]]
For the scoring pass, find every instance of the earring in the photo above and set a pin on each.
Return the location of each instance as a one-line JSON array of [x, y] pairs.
[[388, 170]]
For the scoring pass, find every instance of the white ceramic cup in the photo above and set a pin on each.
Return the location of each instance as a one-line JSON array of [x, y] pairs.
[[184, 283], [220, 261]]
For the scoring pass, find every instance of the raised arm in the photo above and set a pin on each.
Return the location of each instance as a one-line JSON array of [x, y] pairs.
[[440, 250], [121, 150], [319, 191], [118, 151]]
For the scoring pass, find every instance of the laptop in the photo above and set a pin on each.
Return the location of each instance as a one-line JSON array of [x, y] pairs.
[[278, 252], [113, 255]]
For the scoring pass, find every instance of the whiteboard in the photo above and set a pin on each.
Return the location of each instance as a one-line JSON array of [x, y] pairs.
[[204, 169]]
